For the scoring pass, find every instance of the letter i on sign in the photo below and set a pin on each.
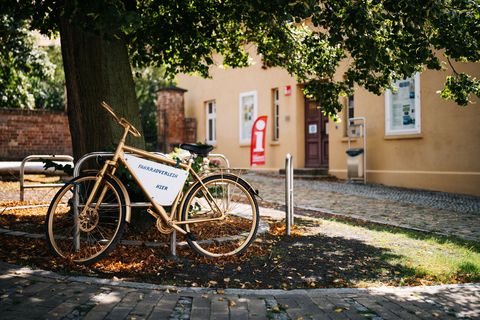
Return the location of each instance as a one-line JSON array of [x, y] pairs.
[[257, 145]]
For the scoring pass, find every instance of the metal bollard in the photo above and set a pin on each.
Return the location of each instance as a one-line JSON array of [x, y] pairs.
[[288, 193]]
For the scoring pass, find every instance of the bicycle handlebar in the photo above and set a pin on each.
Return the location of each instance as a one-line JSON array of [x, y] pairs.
[[121, 121]]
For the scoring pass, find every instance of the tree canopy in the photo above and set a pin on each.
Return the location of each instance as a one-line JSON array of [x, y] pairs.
[[379, 40], [29, 75]]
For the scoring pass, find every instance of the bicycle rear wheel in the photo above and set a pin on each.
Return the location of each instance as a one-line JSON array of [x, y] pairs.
[[96, 230], [233, 233]]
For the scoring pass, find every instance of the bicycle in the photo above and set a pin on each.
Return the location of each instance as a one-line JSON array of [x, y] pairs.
[[218, 213]]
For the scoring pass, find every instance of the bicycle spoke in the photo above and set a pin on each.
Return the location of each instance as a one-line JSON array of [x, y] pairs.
[[235, 231]]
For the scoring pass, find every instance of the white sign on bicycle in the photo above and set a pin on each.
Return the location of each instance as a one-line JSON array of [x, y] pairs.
[[161, 182]]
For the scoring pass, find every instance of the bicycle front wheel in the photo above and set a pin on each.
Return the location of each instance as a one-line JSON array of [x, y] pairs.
[[85, 234], [236, 211]]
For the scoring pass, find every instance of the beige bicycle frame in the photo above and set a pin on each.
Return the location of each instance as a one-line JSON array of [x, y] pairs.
[[110, 168]]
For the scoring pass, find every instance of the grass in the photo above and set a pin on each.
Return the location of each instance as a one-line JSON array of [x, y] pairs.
[[441, 259]]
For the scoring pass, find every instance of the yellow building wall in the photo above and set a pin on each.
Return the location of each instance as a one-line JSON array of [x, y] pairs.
[[445, 156], [225, 88]]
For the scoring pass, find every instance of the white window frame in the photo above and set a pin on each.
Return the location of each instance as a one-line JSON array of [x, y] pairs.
[[211, 116], [276, 115], [389, 131], [245, 137]]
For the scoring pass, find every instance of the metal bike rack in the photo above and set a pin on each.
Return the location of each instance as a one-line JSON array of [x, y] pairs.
[[39, 185], [81, 161], [220, 156], [288, 193]]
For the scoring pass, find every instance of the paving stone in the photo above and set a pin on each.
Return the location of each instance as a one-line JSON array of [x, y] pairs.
[[303, 308], [37, 287], [146, 304], [219, 309], [375, 304], [163, 309], [412, 307], [123, 308], [445, 305], [25, 313], [76, 295], [398, 309], [201, 307], [106, 302], [256, 307], [238, 308], [334, 306]]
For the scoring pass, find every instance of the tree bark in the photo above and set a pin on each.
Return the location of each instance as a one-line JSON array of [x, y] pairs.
[[97, 69]]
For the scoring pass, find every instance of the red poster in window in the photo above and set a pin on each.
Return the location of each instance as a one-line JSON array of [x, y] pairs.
[[257, 145]]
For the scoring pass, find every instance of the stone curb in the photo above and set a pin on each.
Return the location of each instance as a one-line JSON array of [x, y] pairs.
[[20, 271]]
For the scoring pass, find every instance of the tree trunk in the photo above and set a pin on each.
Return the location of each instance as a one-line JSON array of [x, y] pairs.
[[97, 69]]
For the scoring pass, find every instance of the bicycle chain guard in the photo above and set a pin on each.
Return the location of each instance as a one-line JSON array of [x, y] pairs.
[[162, 227]]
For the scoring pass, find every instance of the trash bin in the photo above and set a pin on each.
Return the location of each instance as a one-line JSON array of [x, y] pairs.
[[355, 158]]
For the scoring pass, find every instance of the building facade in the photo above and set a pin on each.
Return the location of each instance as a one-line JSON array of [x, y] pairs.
[[414, 138]]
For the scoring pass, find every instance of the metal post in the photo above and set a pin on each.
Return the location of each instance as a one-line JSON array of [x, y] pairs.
[[173, 243], [76, 224], [289, 221]]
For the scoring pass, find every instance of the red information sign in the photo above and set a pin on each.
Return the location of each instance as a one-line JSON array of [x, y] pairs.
[[257, 146]]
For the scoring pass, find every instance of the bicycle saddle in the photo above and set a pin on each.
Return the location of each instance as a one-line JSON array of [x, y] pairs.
[[200, 149]]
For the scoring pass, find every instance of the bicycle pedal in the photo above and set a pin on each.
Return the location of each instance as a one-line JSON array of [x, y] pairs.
[[191, 236]]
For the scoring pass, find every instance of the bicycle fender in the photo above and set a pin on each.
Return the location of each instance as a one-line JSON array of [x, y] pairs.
[[255, 191], [180, 208]]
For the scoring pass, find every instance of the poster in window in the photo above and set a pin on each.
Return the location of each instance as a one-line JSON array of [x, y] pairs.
[[403, 105]]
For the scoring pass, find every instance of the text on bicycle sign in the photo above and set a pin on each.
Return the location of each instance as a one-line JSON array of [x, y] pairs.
[[160, 181]]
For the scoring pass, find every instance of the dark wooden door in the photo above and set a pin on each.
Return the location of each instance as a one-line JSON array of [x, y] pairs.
[[316, 137]]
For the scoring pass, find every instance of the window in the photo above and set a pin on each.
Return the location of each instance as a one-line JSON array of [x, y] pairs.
[[211, 126], [350, 106], [248, 113], [276, 115], [402, 107]]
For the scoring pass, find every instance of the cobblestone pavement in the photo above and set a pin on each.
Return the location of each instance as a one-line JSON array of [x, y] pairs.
[[438, 212], [37, 294]]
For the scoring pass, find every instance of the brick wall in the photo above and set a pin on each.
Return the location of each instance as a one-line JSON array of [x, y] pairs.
[[190, 130], [25, 132], [173, 127]]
